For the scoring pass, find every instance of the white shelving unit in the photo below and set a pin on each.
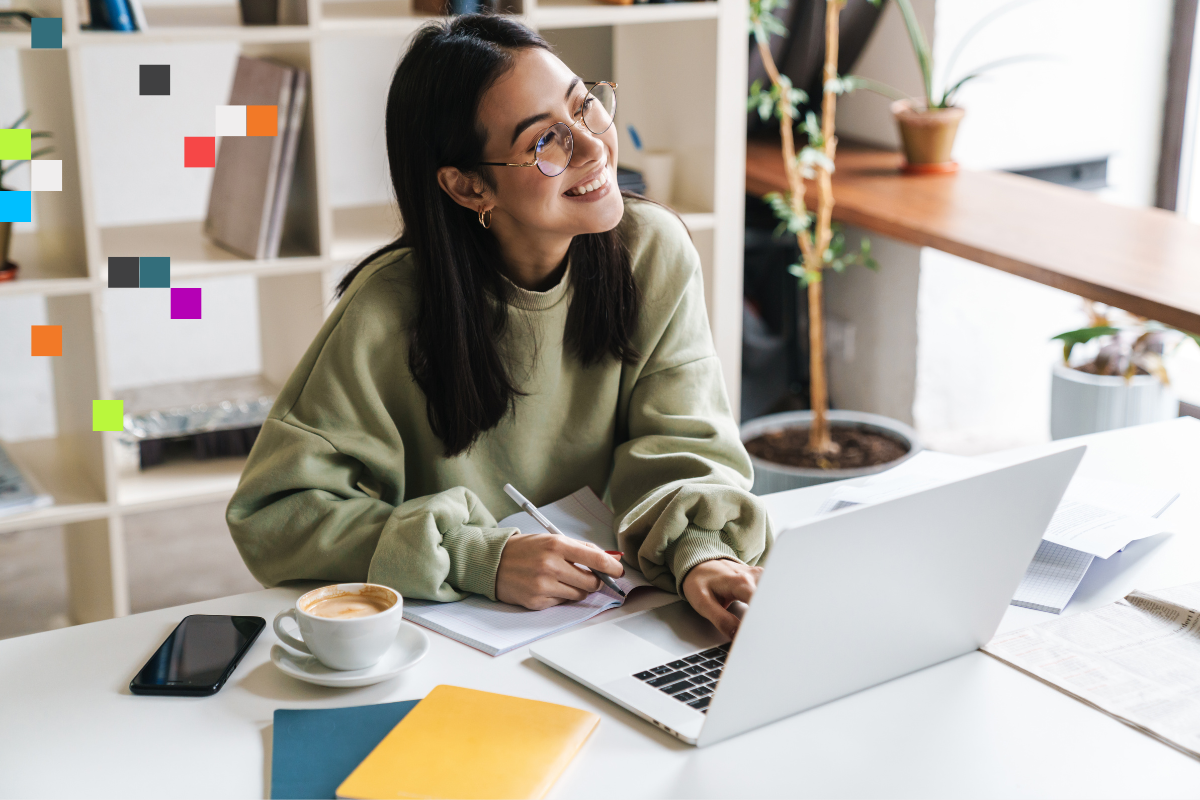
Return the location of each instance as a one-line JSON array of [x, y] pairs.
[[682, 74]]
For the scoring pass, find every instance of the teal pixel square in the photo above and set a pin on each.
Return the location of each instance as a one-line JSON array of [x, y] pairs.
[[47, 33], [154, 272]]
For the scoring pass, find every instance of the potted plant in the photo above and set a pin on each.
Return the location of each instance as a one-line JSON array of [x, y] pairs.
[[1119, 376], [801, 448], [8, 269], [929, 125]]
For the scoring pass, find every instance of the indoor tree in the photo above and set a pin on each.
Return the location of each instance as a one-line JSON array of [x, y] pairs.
[[821, 246]]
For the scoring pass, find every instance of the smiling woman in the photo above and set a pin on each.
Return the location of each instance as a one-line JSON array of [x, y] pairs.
[[532, 325]]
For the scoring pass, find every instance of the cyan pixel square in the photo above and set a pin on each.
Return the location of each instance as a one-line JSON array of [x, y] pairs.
[[16, 207], [47, 33], [156, 272], [123, 272], [185, 303], [154, 79]]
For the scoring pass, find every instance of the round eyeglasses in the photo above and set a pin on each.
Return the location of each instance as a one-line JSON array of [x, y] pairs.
[[555, 145]]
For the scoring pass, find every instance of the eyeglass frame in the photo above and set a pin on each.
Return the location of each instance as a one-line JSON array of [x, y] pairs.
[[570, 125]]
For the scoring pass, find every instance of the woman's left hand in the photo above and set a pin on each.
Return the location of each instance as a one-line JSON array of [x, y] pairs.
[[711, 586]]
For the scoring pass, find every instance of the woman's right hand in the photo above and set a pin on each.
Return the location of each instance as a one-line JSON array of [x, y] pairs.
[[538, 570]]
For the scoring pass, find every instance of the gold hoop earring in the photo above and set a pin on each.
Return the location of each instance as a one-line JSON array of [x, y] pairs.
[[488, 223]]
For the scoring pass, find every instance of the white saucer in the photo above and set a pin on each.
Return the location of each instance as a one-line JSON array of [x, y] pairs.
[[410, 646]]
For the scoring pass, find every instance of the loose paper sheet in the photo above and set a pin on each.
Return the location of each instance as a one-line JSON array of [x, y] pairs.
[[1137, 660]]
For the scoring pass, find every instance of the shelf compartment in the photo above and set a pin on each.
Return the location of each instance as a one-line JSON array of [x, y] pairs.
[[375, 17], [180, 483], [192, 254], [195, 23], [51, 464], [360, 230], [560, 14]]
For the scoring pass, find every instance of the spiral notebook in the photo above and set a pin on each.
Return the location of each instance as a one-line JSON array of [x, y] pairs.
[[496, 628]]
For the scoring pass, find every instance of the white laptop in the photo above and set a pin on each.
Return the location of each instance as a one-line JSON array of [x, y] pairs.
[[845, 602]]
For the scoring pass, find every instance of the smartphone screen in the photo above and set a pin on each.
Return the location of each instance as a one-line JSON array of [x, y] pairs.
[[198, 656]]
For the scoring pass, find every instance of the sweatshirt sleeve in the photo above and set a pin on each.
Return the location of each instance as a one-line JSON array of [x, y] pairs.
[[299, 513], [680, 480]]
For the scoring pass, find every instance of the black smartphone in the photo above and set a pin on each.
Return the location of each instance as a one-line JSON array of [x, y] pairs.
[[199, 656]]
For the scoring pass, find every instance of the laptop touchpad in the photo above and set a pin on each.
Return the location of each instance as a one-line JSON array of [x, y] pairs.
[[675, 628]]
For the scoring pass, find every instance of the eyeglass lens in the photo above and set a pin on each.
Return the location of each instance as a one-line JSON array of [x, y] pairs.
[[556, 145]]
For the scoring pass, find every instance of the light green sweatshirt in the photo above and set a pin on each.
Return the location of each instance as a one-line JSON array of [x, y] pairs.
[[347, 482]]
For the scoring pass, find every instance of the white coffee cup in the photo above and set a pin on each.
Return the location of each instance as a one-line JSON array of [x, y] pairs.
[[351, 641]]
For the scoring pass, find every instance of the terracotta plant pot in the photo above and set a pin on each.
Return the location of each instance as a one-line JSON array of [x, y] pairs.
[[8, 270], [928, 136]]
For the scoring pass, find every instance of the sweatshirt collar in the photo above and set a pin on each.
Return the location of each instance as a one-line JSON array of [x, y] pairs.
[[538, 301]]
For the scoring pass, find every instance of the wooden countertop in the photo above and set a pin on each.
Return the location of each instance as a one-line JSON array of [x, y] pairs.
[[1144, 260]]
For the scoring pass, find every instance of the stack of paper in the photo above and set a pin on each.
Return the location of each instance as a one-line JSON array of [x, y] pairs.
[[1137, 660], [1094, 520], [496, 628], [19, 492]]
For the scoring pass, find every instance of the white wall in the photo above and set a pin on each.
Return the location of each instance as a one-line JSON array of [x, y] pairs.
[[982, 357], [136, 150]]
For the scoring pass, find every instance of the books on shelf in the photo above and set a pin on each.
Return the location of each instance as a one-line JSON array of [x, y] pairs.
[[19, 492], [113, 15], [248, 203]]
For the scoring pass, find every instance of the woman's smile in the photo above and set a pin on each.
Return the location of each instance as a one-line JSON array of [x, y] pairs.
[[594, 189]]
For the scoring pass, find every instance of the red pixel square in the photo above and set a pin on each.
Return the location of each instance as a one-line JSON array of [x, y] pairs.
[[199, 151]]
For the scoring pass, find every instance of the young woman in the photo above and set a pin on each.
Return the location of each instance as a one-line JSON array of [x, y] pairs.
[[532, 325]]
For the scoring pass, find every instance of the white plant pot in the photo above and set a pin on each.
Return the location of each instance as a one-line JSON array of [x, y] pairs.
[[770, 477], [1084, 403]]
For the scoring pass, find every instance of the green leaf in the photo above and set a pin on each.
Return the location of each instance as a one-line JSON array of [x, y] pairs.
[[1072, 338], [948, 96], [983, 22], [20, 119], [920, 47], [849, 83]]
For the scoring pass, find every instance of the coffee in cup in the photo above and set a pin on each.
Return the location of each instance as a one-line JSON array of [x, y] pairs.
[[346, 626]]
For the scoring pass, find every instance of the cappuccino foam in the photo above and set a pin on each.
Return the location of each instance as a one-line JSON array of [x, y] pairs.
[[349, 606]]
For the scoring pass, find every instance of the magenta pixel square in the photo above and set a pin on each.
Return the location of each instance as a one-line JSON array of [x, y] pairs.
[[185, 303]]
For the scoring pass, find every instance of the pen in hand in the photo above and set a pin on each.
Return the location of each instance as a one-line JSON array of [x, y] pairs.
[[531, 509]]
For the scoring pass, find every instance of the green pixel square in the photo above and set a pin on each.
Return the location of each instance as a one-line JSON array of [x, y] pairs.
[[16, 144], [108, 415]]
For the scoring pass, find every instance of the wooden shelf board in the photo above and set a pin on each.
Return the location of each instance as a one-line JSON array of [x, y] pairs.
[[1140, 259], [179, 484], [75, 497], [560, 14], [192, 254], [20, 40], [36, 276]]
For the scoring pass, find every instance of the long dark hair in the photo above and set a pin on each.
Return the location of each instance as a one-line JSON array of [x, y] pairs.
[[432, 122]]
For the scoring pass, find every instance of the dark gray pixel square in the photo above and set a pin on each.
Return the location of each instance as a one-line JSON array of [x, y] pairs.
[[123, 272], [155, 79]]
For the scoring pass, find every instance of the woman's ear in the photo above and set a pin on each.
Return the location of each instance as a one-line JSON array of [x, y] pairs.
[[466, 189]]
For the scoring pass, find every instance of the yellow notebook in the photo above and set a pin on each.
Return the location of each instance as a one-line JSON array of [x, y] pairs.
[[463, 743]]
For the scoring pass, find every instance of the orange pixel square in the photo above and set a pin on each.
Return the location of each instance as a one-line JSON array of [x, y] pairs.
[[47, 340], [262, 120]]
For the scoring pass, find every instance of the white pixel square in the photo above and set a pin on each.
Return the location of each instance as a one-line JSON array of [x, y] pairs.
[[231, 120], [45, 176]]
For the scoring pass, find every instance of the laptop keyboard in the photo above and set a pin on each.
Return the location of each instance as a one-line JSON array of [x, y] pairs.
[[690, 679]]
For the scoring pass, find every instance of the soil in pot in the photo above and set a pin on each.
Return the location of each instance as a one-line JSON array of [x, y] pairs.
[[858, 448]]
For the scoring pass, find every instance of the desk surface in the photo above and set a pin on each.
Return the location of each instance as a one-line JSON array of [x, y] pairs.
[[1144, 260], [969, 727]]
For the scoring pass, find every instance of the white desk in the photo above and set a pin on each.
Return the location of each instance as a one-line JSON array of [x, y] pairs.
[[970, 727]]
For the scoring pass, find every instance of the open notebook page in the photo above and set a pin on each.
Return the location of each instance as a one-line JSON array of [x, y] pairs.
[[496, 628]]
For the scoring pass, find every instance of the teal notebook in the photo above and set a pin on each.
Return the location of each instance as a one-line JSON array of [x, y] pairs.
[[314, 750]]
